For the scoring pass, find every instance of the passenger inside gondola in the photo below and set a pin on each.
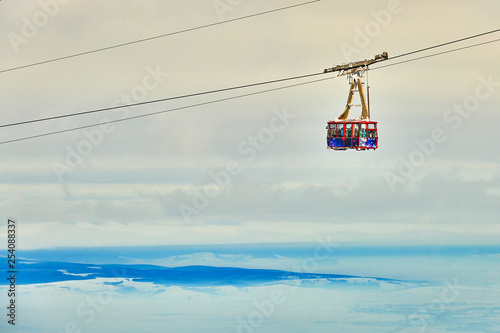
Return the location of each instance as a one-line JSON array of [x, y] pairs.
[[363, 130]]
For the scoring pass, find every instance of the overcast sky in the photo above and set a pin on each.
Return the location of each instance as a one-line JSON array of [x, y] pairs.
[[256, 168]]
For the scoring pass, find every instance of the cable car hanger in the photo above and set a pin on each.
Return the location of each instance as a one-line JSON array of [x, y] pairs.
[[360, 133]]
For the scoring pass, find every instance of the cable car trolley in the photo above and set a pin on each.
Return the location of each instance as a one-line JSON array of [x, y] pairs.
[[360, 133]]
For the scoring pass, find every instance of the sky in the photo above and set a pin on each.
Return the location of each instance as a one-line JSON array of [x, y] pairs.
[[253, 169]]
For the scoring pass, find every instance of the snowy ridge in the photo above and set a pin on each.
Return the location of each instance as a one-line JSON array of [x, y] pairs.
[[187, 276]]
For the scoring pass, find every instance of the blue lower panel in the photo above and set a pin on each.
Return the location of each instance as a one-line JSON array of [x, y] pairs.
[[352, 142], [372, 142], [336, 143], [367, 142]]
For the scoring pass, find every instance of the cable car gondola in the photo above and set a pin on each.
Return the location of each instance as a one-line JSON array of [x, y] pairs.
[[361, 133], [352, 134]]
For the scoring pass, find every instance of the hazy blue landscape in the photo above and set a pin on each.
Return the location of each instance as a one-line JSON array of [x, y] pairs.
[[260, 288]]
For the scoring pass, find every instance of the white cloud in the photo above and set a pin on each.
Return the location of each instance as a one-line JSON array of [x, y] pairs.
[[144, 233]]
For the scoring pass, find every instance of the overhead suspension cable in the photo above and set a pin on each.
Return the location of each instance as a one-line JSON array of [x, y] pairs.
[[439, 53], [157, 100], [163, 111], [254, 84], [154, 37], [218, 100], [444, 44]]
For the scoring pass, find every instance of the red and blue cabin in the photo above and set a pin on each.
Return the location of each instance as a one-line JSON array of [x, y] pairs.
[[352, 134]]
